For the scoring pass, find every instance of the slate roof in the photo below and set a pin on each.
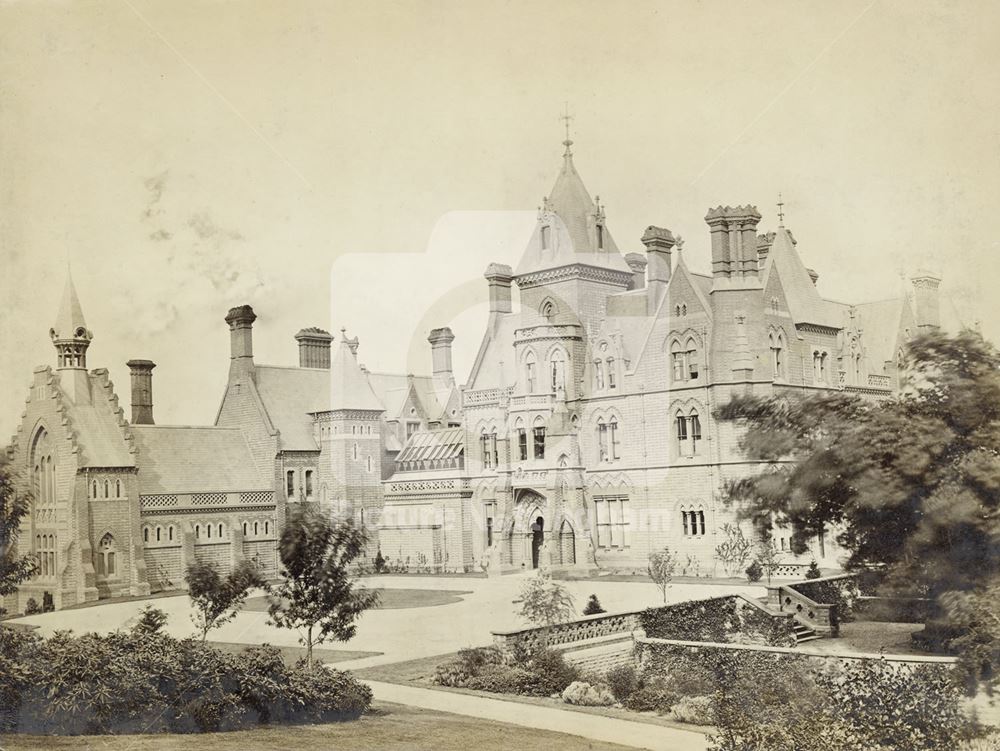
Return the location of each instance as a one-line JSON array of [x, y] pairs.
[[804, 302], [572, 242], [880, 322], [495, 366], [182, 459], [100, 438], [289, 395], [70, 317]]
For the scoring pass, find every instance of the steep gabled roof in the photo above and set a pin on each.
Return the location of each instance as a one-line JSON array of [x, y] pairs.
[[185, 459], [70, 318], [349, 387], [572, 217], [804, 302], [881, 323], [289, 395]]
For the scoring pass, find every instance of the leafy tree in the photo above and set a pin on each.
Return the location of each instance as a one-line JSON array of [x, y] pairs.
[[318, 595], [151, 620], [545, 602], [662, 564], [913, 482], [593, 606], [14, 506], [813, 571], [754, 571], [734, 550], [217, 600], [767, 555]]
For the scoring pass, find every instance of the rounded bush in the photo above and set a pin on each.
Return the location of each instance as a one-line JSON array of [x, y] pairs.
[[587, 695]]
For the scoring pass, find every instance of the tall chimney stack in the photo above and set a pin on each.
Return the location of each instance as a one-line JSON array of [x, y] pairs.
[[925, 300], [659, 243], [499, 276], [441, 340], [637, 262], [314, 347], [142, 391]]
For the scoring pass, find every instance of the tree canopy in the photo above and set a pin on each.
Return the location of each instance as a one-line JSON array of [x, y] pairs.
[[318, 594], [912, 482], [14, 568]]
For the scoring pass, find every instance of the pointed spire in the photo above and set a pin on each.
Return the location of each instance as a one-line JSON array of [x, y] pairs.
[[566, 117], [70, 319]]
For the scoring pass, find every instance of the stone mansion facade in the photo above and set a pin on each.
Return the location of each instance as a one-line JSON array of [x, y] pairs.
[[583, 435]]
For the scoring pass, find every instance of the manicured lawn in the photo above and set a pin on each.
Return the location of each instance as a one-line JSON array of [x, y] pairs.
[[390, 727], [389, 599], [880, 636], [293, 654]]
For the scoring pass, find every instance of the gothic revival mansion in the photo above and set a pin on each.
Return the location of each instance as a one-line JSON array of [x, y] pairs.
[[583, 435]]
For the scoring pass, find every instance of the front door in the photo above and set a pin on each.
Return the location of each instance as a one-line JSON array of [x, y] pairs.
[[537, 538]]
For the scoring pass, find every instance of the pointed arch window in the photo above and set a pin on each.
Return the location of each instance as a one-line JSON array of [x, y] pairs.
[[522, 440], [548, 311], [607, 439], [145, 534], [290, 484], [611, 373], [170, 533], [538, 438], [546, 237], [600, 237], [309, 483], [677, 357], [777, 343], [529, 372], [692, 358], [688, 433], [693, 521], [106, 553], [118, 488], [599, 375], [557, 370], [94, 489], [488, 446]]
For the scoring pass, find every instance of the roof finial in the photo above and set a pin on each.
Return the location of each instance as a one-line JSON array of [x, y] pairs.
[[781, 213], [566, 117]]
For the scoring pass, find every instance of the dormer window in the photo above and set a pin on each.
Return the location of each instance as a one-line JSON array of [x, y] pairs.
[[546, 240], [600, 237]]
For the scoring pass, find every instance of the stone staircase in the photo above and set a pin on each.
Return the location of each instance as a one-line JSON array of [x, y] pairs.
[[803, 633]]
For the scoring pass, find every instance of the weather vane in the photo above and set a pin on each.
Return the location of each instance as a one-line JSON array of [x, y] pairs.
[[781, 213], [566, 117]]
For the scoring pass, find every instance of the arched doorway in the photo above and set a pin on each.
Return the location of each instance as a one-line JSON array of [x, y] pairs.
[[537, 539], [567, 543]]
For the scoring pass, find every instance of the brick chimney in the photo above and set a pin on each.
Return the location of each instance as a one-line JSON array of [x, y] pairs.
[[314, 347], [659, 243], [734, 243], [925, 300], [441, 340], [499, 276], [637, 262], [240, 322], [142, 391]]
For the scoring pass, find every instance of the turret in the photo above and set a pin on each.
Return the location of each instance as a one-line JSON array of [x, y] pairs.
[[72, 338]]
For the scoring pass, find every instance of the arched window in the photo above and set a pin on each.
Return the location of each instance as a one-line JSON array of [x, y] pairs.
[[290, 484], [692, 358], [267, 528], [598, 374], [777, 342], [208, 531], [106, 565], [694, 427], [355, 452], [677, 360], [538, 438], [546, 232], [529, 372], [607, 439], [256, 529], [197, 531], [170, 533], [145, 534], [557, 370], [158, 534], [368, 463], [94, 489], [548, 311], [309, 483], [244, 529], [688, 433], [118, 488], [42, 483], [677, 311], [684, 309], [220, 531], [693, 521], [488, 445], [106, 489], [611, 372], [522, 440]]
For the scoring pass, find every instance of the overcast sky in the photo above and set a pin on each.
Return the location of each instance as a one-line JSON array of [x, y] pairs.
[[370, 159]]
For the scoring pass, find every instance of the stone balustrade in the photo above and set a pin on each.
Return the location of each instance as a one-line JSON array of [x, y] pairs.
[[583, 629], [169, 502]]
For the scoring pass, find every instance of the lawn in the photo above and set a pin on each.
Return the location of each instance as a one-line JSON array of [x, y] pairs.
[[390, 727], [389, 599], [880, 636]]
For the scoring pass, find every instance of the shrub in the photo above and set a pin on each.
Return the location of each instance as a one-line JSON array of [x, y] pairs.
[[653, 695], [151, 620], [379, 562], [587, 695], [144, 681], [623, 681], [31, 607], [505, 679], [553, 672], [754, 572], [813, 571], [593, 606], [695, 710], [468, 664]]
